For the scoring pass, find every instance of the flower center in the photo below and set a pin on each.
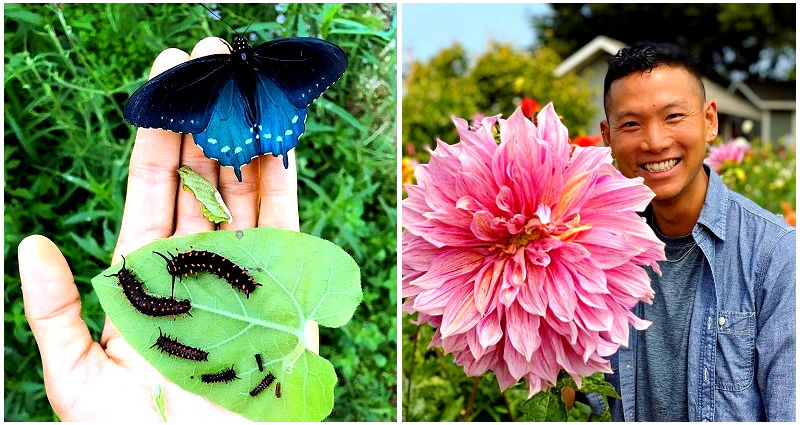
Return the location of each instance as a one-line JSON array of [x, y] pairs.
[[521, 239]]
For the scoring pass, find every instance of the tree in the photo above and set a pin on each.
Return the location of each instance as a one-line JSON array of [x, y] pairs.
[[495, 84], [731, 41]]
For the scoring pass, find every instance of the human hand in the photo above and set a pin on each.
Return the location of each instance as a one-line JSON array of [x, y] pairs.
[[86, 380]]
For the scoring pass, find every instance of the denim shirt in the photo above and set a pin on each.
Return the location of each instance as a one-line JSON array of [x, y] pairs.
[[741, 361]]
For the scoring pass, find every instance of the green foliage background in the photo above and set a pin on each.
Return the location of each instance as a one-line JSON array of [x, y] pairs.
[[452, 84], [69, 69]]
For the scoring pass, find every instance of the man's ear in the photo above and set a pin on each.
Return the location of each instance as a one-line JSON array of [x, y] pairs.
[[712, 123], [604, 131]]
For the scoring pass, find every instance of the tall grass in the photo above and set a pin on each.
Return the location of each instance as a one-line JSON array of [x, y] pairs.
[[69, 69]]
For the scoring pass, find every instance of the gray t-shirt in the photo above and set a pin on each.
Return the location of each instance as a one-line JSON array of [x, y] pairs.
[[661, 365]]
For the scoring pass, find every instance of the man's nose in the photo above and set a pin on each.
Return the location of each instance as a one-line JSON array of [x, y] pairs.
[[656, 139]]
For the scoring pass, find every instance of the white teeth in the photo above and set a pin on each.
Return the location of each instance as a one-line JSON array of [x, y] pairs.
[[660, 167]]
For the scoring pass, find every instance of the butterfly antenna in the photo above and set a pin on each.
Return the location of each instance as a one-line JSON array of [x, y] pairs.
[[216, 15]]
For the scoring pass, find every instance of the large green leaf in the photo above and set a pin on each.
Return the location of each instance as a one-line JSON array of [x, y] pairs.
[[304, 278]]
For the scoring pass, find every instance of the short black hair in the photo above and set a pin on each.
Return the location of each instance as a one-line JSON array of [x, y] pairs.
[[643, 57]]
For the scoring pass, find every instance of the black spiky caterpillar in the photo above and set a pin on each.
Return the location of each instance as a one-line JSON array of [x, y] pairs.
[[194, 261], [226, 375], [145, 303], [172, 347], [266, 382]]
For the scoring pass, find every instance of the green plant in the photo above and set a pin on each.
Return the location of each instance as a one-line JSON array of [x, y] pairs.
[[69, 69], [452, 85]]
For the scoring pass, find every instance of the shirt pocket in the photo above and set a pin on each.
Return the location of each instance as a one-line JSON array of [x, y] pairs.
[[736, 334]]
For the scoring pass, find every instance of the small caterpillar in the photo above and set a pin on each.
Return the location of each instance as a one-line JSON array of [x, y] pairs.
[[278, 390], [172, 347], [258, 362], [226, 375], [263, 384], [194, 261], [144, 302]]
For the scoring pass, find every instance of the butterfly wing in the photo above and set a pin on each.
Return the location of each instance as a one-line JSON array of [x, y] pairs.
[[302, 67], [233, 142], [180, 98]]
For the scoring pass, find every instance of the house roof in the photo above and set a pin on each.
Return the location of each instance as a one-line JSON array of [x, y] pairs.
[[601, 46], [767, 95], [597, 48]]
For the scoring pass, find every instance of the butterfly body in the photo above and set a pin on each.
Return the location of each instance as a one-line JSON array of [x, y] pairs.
[[244, 104]]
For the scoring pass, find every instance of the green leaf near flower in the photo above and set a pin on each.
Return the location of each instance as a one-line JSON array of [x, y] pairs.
[[546, 406], [211, 203], [303, 278]]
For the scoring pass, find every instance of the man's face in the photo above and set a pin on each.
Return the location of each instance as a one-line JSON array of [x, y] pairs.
[[658, 129]]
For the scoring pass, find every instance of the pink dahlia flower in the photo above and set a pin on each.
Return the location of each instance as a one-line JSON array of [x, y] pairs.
[[525, 255], [727, 154]]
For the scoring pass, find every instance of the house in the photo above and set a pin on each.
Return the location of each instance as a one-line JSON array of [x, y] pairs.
[[778, 106], [772, 111]]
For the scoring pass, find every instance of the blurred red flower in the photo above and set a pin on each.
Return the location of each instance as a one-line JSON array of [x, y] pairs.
[[529, 107], [586, 141]]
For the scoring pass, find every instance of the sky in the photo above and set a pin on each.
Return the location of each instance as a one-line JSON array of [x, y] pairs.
[[428, 28]]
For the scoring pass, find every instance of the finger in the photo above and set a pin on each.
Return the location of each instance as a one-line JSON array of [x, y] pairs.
[[153, 178], [190, 217], [278, 207], [52, 306], [240, 197]]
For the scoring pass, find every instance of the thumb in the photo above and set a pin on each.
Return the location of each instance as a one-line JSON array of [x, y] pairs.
[[52, 306]]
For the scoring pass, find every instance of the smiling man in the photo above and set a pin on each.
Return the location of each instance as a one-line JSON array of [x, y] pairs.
[[722, 343]]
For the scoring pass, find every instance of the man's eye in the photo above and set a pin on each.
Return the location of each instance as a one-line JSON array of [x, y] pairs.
[[674, 116], [630, 124]]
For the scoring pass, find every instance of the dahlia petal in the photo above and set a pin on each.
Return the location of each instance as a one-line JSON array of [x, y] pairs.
[[531, 296], [573, 252], [517, 365], [454, 343], [451, 264], [535, 384], [433, 301], [523, 331], [505, 199], [590, 278], [483, 227], [489, 330], [559, 287], [619, 195], [459, 316], [485, 286], [504, 377], [516, 224]]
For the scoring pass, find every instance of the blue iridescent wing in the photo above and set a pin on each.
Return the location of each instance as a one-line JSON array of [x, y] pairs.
[[302, 67], [229, 138], [180, 98]]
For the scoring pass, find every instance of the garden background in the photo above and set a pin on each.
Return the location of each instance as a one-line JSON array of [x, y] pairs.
[[735, 41], [69, 68]]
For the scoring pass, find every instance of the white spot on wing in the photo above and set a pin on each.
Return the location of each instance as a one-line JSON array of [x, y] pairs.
[[288, 133], [212, 141], [237, 150], [225, 149], [279, 139], [269, 135], [294, 120], [248, 141]]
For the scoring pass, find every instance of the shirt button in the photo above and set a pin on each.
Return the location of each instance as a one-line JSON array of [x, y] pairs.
[[721, 320]]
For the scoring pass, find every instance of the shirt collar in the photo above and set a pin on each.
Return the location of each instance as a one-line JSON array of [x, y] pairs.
[[715, 208]]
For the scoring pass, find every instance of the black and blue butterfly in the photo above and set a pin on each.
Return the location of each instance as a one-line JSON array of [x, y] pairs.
[[244, 104]]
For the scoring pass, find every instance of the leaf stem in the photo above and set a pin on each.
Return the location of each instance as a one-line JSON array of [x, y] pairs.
[[407, 400]]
